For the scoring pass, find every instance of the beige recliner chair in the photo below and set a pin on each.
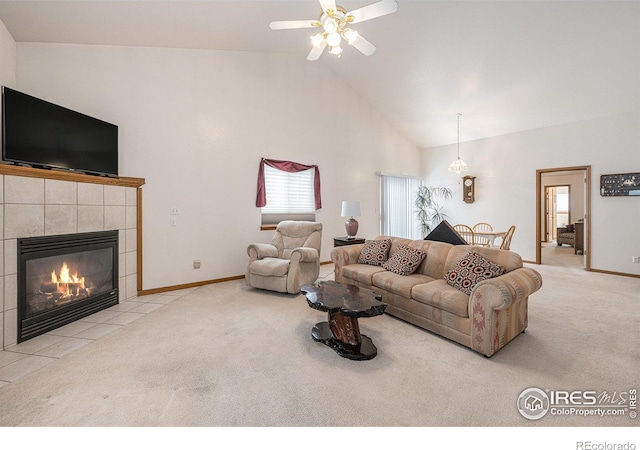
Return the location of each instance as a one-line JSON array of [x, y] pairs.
[[290, 261]]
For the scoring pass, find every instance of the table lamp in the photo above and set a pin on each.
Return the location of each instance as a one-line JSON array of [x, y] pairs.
[[351, 208]]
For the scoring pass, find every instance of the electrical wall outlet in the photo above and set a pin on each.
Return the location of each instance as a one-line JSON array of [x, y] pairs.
[[635, 259], [196, 263], [174, 210], [173, 222]]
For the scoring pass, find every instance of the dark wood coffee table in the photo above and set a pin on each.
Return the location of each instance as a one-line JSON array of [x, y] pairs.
[[345, 303]]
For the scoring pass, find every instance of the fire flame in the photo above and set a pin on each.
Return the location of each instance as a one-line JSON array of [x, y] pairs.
[[67, 282]]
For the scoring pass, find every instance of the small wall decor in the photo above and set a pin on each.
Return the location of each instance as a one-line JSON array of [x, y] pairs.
[[469, 189], [620, 184]]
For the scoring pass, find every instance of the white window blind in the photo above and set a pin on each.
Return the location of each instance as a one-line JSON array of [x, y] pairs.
[[289, 195], [398, 216]]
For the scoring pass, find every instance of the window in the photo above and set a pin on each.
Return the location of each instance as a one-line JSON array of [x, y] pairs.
[[290, 196], [397, 210], [287, 191]]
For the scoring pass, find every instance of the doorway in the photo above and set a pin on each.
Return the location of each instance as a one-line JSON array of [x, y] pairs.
[[557, 210], [563, 197]]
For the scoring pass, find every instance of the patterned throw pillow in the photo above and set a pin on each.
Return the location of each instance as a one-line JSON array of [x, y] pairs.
[[404, 260], [471, 270], [375, 253]]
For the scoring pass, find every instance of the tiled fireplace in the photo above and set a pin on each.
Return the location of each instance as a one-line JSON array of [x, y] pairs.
[[46, 204]]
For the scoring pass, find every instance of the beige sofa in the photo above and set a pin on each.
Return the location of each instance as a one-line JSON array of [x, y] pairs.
[[493, 314]]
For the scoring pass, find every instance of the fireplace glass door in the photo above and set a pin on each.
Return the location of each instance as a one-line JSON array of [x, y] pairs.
[[64, 278]]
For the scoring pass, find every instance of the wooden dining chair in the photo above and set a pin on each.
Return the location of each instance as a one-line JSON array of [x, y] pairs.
[[506, 241], [465, 231], [482, 240]]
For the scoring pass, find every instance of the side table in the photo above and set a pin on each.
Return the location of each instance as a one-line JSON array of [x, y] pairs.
[[340, 241]]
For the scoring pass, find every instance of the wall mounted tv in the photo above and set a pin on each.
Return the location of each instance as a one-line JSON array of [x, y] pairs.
[[40, 134]]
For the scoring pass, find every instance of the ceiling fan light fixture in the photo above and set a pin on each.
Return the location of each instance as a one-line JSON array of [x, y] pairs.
[[333, 23], [330, 25], [350, 35], [336, 50], [317, 39], [333, 39]]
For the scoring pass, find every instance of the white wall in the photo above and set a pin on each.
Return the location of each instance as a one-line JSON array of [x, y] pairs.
[[505, 167], [195, 123], [7, 58]]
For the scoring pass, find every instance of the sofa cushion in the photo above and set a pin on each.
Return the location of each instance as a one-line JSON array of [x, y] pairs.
[[362, 273], [399, 284], [471, 270], [375, 252], [442, 296], [404, 260]]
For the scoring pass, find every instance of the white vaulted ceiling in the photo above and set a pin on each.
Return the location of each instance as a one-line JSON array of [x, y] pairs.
[[507, 66]]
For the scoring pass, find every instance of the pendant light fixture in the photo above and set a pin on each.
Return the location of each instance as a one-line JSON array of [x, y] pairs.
[[458, 165]]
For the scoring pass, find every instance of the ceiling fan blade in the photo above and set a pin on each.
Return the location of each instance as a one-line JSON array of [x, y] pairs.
[[374, 10], [365, 47], [328, 4], [290, 24], [315, 52]]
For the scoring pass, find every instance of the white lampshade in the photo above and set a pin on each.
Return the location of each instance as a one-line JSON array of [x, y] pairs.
[[458, 166], [350, 208], [333, 39]]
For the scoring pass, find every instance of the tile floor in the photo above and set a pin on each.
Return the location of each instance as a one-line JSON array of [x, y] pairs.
[[22, 359]]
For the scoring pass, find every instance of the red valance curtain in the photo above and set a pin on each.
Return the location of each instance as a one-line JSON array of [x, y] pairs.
[[286, 166]]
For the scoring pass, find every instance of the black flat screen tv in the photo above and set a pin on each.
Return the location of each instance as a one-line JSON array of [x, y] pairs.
[[41, 134]]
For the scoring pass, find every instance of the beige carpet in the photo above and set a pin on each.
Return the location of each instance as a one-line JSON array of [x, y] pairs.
[[228, 355]]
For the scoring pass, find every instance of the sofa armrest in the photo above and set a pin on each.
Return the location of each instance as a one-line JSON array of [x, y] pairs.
[[498, 308], [305, 254], [505, 290], [343, 256], [260, 251]]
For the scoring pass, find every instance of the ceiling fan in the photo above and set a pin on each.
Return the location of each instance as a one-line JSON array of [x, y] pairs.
[[333, 27]]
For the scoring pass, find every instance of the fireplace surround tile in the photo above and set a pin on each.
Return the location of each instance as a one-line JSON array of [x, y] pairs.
[[131, 240], [90, 218], [90, 194], [58, 192], [10, 327], [10, 292], [131, 216], [131, 197], [10, 256], [114, 195], [23, 190], [131, 263], [60, 219], [114, 217], [23, 220], [131, 286]]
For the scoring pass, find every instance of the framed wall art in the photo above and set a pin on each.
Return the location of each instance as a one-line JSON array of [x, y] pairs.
[[620, 185]]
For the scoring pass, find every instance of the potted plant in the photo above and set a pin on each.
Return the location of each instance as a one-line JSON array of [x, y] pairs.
[[428, 210]]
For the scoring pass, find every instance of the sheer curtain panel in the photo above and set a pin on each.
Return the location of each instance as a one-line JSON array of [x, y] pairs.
[[397, 210]]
